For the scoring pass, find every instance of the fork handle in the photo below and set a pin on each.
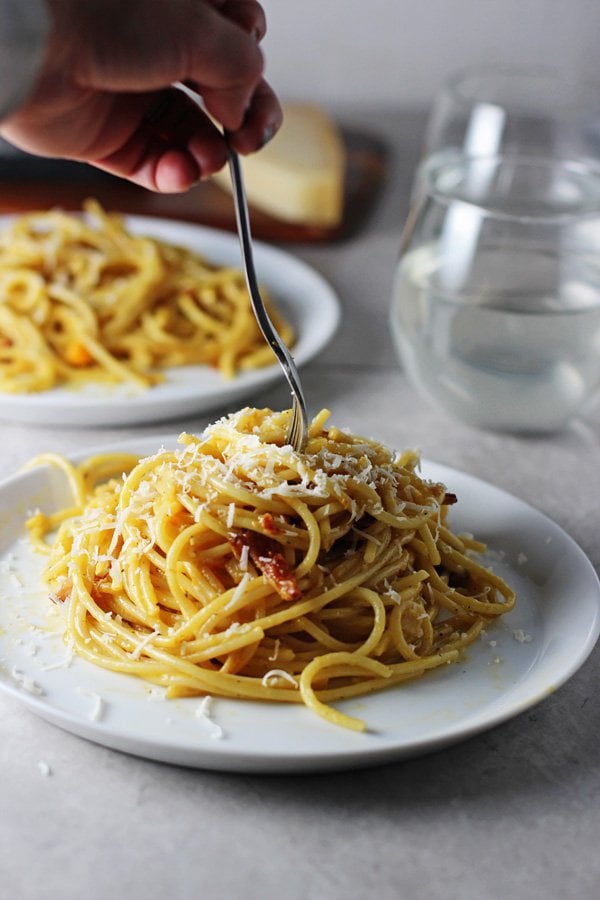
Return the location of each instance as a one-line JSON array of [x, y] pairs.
[[266, 326]]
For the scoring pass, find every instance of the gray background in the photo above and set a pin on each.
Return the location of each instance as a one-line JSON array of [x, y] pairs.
[[388, 52]]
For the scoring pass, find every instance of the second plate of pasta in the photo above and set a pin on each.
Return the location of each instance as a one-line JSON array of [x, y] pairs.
[[302, 300]]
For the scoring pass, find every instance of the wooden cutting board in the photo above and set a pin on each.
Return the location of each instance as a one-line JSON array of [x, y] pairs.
[[28, 183]]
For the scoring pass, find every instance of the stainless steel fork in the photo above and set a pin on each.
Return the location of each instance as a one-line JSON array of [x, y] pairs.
[[297, 434]]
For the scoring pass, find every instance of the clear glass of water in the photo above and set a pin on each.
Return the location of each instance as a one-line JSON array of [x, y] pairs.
[[514, 112], [496, 299]]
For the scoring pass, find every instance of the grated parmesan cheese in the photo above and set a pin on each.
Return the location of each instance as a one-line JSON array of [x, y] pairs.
[[63, 663], [520, 636], [230, 514], [26, 682], [276, 675], [135, 654], [238, 592], [275, 653], [204, 711], [97, 709]]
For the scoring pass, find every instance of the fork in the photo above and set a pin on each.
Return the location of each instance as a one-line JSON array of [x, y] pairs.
[[297, 434]]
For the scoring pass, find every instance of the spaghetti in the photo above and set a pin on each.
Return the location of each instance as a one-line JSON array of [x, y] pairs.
[[82, 299], [234, 566]]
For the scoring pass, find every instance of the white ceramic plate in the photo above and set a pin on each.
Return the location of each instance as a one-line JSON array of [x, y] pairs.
[[302, 295], [520, 661]]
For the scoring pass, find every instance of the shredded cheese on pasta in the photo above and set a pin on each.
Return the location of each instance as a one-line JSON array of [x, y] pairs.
[[234, 566], [82, 299]]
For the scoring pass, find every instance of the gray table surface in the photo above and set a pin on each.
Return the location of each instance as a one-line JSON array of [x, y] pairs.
[[514, 811]]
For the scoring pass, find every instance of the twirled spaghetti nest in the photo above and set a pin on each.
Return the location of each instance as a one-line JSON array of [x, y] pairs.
[[234, 566]]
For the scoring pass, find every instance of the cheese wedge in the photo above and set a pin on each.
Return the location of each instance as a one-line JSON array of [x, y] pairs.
[[299, 175]]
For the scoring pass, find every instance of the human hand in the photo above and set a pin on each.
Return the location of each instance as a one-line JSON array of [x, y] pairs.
[[103, 94]]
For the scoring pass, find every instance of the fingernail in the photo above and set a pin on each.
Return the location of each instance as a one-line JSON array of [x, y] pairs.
[[267, 134]]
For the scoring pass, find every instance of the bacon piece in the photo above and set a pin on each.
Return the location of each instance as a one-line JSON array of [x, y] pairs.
[[449, 499], [266, 556], [269, 524]]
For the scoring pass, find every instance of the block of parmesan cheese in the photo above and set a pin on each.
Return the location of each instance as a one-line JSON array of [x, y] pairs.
[[299, 175]]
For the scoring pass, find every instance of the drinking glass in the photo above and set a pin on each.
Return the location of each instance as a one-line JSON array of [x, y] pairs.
[[496, 302], [505, 112]]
